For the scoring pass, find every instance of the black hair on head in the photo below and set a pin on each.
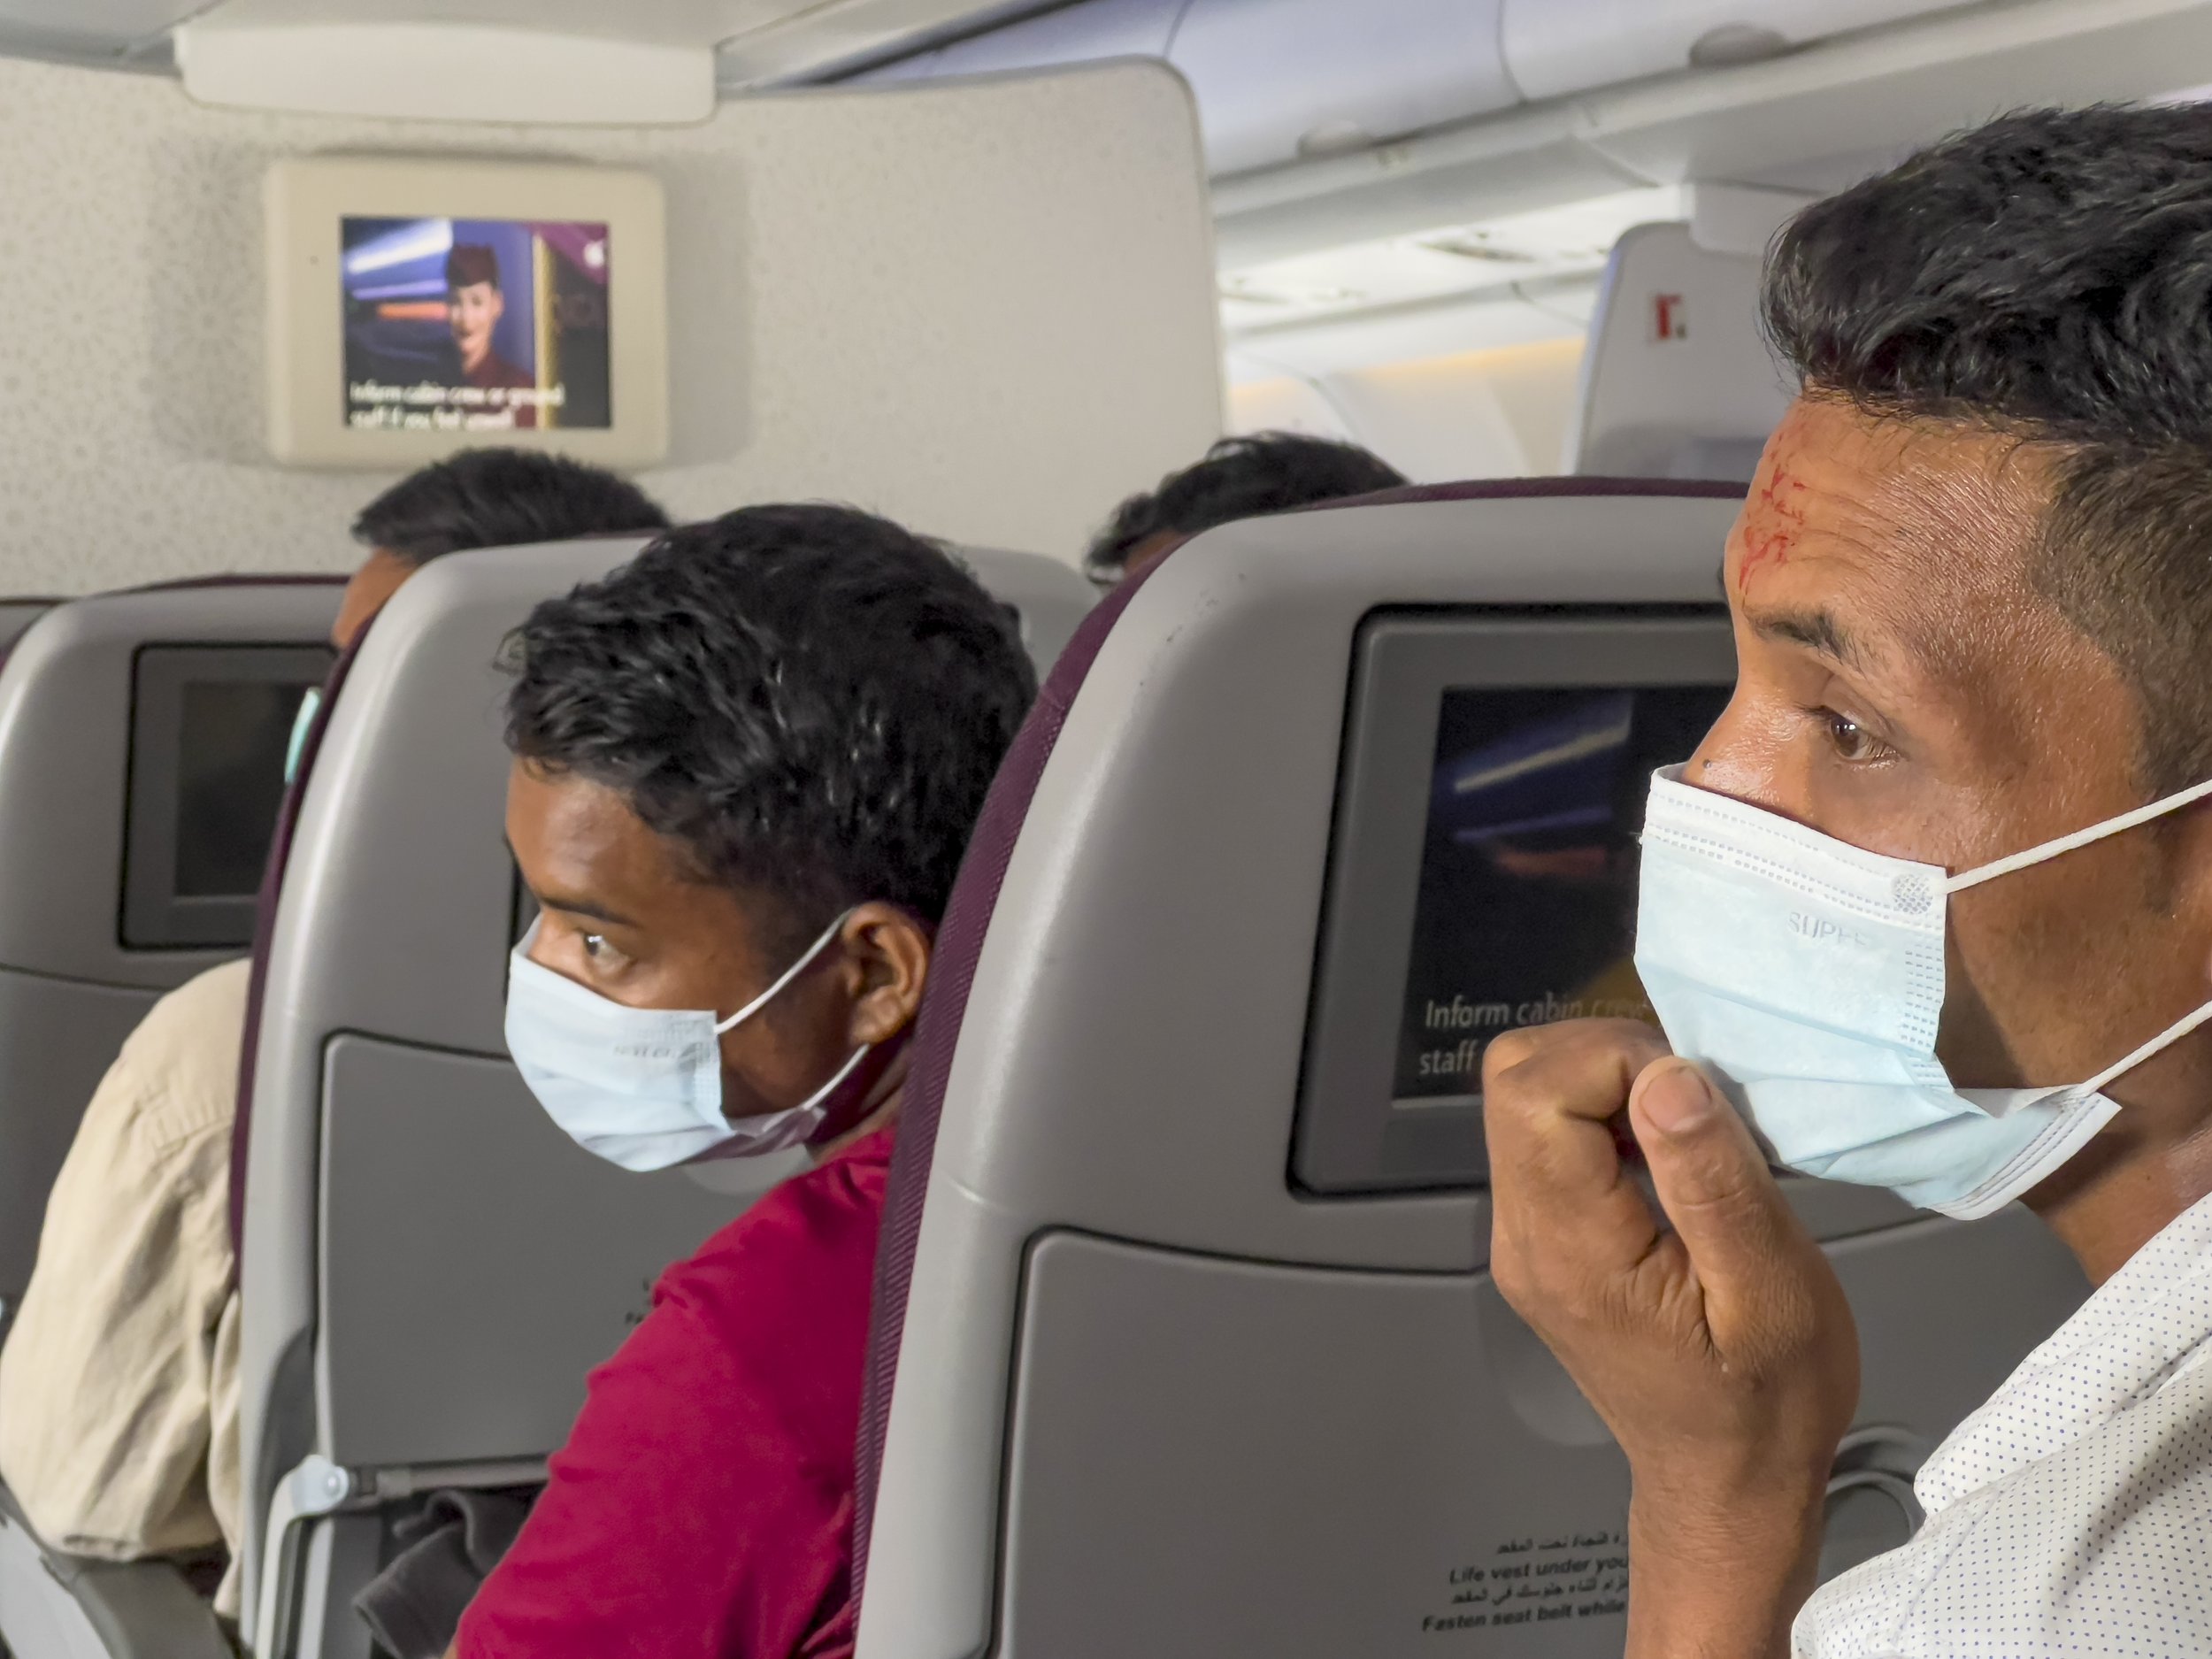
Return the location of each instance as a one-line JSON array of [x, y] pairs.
[[810, 701], [1240, 477], [2048, 277], [500, 497]]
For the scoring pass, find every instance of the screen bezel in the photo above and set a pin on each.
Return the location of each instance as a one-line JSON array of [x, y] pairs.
[[154, 916], [305, 203], [1349, 1137]]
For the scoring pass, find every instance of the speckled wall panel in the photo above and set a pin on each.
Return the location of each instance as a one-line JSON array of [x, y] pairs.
[[985, 310]]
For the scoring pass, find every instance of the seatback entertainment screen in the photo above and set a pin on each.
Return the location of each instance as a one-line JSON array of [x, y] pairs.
[[211, 729], [476, 325], [231, 739], [1483, 863], [1526, 911]]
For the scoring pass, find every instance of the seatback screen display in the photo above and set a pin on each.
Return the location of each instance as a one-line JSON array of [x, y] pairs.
[[1483, 863], [211, 730], [231, 741], [1526, 911], [476, 325]]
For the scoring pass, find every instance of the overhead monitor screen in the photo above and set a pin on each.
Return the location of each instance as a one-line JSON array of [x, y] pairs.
[[1526, 907], [1482, 864], [211, 729], [477, 325]]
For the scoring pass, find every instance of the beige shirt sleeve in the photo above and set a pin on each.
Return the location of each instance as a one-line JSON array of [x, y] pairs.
[[120, 1373]]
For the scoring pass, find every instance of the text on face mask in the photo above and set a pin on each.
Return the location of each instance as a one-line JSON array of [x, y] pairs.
[[1822, 930]]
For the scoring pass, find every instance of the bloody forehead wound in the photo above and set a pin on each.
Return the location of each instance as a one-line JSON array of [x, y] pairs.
[[1774, 518], [470, 263]]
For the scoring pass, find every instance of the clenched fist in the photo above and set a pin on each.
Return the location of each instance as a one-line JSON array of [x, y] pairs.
[[1710, 1334]]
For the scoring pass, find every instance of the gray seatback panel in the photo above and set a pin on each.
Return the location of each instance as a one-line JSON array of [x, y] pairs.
[[54, 1606], [476, 1262], [144, 1610], [64, 740], [58, 1038], [70, 990], [1199, 1475], [1130, 1056], [383, 1100]]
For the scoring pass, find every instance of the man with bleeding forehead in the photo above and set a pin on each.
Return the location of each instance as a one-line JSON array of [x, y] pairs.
[[1930, 909]]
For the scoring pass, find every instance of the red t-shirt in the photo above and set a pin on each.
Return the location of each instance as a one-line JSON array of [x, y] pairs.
[[703, 1503]]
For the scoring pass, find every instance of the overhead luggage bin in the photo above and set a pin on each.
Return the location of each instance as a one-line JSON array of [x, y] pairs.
[[1087, 33], [1552, 49], [143, 738], [429, 1266], [1184, 1344], [1276, 80]]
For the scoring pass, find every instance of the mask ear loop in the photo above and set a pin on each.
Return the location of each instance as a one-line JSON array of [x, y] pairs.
[[814, 1106], [2165, 1038], [789, 974], [2050, 849], [2079, 838]]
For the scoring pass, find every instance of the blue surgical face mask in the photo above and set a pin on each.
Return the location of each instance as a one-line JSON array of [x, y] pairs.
[[643, 1086], [305, 718], [1807, 975]]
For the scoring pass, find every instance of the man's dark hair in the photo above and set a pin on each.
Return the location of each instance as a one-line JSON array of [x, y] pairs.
[[502, 498], [1240, 477], [2048, 277], [809, 700]]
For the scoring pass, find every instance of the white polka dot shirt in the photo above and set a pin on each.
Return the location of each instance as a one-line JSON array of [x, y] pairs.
[[2071, 1515]]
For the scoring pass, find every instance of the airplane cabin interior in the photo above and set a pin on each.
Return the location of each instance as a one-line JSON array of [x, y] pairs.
[[1182, 1335]]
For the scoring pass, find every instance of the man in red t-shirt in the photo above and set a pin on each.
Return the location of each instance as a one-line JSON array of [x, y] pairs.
[[746, 766]]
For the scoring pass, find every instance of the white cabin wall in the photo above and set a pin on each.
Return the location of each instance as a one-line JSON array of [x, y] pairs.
[[1497, 414], [987, 310]]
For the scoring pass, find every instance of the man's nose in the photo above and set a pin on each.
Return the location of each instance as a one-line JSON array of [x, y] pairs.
[[1739, 758]]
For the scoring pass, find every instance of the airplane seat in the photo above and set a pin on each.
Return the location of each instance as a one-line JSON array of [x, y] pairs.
[[141, 747], [1183, 1343], [17, 615], [54, 1606], [272, 869], [428, 1265], [1677, 381]]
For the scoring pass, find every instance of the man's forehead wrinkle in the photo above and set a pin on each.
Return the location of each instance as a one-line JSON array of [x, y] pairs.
[[1964, 509], [1972, 510]]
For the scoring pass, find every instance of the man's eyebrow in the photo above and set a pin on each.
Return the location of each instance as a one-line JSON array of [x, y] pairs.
[[571, 907], [584, 907], [1816, 630]]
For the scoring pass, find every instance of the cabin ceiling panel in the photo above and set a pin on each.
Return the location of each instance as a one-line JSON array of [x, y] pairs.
[[653, 22], [92, 29]]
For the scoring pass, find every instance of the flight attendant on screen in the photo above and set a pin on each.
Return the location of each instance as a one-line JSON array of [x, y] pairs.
[[475, 304]]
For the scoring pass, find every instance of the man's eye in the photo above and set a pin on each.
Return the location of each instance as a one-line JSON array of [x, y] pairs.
[[594, 945], [1850, 740]]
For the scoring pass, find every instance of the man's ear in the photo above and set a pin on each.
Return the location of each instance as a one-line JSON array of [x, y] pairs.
[[891, 947]]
